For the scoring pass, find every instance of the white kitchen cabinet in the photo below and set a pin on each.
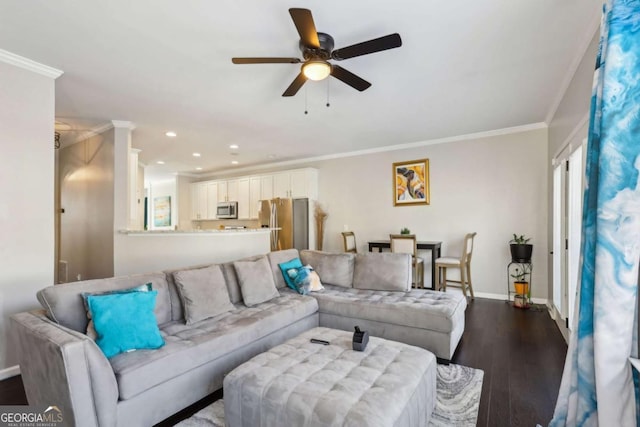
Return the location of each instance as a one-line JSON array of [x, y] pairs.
[[233, 189], [212, 199], [255, 187], [199, 201], [239, 189], [296, 183], [281, 184], [266, 187], [222, 191]]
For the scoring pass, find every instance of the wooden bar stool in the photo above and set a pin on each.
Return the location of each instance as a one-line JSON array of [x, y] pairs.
[[463, 263], [407, 244]]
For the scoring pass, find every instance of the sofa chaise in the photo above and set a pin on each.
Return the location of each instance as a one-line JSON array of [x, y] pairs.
[[62, 366]]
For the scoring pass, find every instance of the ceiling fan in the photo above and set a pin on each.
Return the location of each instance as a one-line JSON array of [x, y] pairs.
[[317, 50]]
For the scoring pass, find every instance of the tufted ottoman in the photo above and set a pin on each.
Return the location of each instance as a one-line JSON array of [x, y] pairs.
[[299, 383]]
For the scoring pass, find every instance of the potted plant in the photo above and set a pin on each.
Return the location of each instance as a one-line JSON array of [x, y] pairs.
[[521, 285], [521, 250], [405, 230]]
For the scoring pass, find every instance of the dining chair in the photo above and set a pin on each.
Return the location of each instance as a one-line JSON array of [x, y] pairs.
[[463, 263], [407, 244], [349, 239]]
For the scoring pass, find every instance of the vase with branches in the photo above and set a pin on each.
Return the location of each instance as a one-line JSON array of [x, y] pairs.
[[320, 216]]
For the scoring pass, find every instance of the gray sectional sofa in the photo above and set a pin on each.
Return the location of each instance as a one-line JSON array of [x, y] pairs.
[[62, 366]]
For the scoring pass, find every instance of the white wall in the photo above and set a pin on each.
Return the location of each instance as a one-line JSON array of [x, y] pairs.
[[495, 186], [27, 195], [148, 253], [86, 195]]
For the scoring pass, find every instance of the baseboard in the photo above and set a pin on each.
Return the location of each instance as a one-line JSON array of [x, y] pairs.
[[503, 297], [9, 372]]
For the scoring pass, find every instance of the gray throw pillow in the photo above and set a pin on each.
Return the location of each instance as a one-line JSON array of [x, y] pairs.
[[256, 281], [203, 293]]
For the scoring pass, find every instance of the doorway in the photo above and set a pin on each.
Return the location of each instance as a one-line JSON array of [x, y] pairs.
[[568, 191]]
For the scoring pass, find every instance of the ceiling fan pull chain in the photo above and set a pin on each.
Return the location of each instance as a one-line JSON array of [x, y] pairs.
[[305, 101], [328, 92]]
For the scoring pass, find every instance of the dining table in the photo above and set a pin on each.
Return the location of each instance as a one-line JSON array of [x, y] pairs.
[[427, 245]]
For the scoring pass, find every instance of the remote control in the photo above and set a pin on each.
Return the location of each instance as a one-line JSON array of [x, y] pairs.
[[316, 341]]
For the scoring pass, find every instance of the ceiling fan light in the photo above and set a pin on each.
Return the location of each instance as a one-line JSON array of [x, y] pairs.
[[316, 70]]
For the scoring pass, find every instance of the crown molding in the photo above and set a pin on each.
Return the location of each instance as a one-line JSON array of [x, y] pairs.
[[28, 64], [123, 124], [593, 28], [92, 132], [465, 137]]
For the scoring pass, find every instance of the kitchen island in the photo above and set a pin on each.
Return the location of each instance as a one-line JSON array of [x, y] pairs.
[[143, 251]]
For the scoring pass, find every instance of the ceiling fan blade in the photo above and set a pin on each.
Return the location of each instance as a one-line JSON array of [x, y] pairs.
[[303, 21], [375, 45], [349, 78], [295, 86], [265, 60]]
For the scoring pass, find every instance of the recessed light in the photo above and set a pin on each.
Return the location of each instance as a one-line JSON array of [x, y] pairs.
[[234, 146], [196, 154], [234, 162], [171, 134], [198, 168], [160, 162]]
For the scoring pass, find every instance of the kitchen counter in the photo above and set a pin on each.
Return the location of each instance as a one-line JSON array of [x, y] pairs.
[[196, 232]]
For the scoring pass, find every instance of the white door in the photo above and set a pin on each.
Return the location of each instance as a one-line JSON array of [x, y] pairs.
[[567, 230], [574, 227], [558, 237]]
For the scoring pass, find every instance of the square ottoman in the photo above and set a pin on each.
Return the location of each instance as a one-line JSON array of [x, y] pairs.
[[300, 383]]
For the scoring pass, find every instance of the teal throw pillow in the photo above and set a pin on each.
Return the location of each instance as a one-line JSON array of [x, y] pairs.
[[285, 266], [125, 322], [91, 332]]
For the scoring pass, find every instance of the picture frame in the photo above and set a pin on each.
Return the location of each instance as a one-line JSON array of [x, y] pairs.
[[162, 211], [411, 183]]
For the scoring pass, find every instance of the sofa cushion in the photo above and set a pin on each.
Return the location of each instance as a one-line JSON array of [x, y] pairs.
[[203, 293], [382, 271], [419, 308], [292, 264], [278, 257], [64, 303], [333, 268], [231, 279], [190, 346], [256, 281], [125, 322], [176, 303]]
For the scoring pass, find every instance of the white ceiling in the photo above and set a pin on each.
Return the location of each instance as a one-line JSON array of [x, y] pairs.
[[465, 66]]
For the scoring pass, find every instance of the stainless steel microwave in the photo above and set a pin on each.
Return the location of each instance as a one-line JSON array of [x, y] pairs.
[[227, 210]]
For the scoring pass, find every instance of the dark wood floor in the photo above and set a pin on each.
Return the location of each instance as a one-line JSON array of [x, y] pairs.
[[520, 351]]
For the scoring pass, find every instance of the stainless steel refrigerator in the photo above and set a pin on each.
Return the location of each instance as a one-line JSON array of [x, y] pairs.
[[291, 216]]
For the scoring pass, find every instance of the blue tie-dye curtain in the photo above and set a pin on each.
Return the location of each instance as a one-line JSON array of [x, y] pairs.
[[598, 383]]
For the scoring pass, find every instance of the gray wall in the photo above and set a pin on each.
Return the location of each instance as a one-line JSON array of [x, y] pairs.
[[495, 186], [27, 190], [86, 195], [571, 111]]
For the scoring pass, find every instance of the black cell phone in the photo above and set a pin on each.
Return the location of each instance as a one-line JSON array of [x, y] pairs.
[[316, 341]]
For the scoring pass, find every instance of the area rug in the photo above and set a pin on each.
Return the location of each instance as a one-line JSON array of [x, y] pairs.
[[457, 402]]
